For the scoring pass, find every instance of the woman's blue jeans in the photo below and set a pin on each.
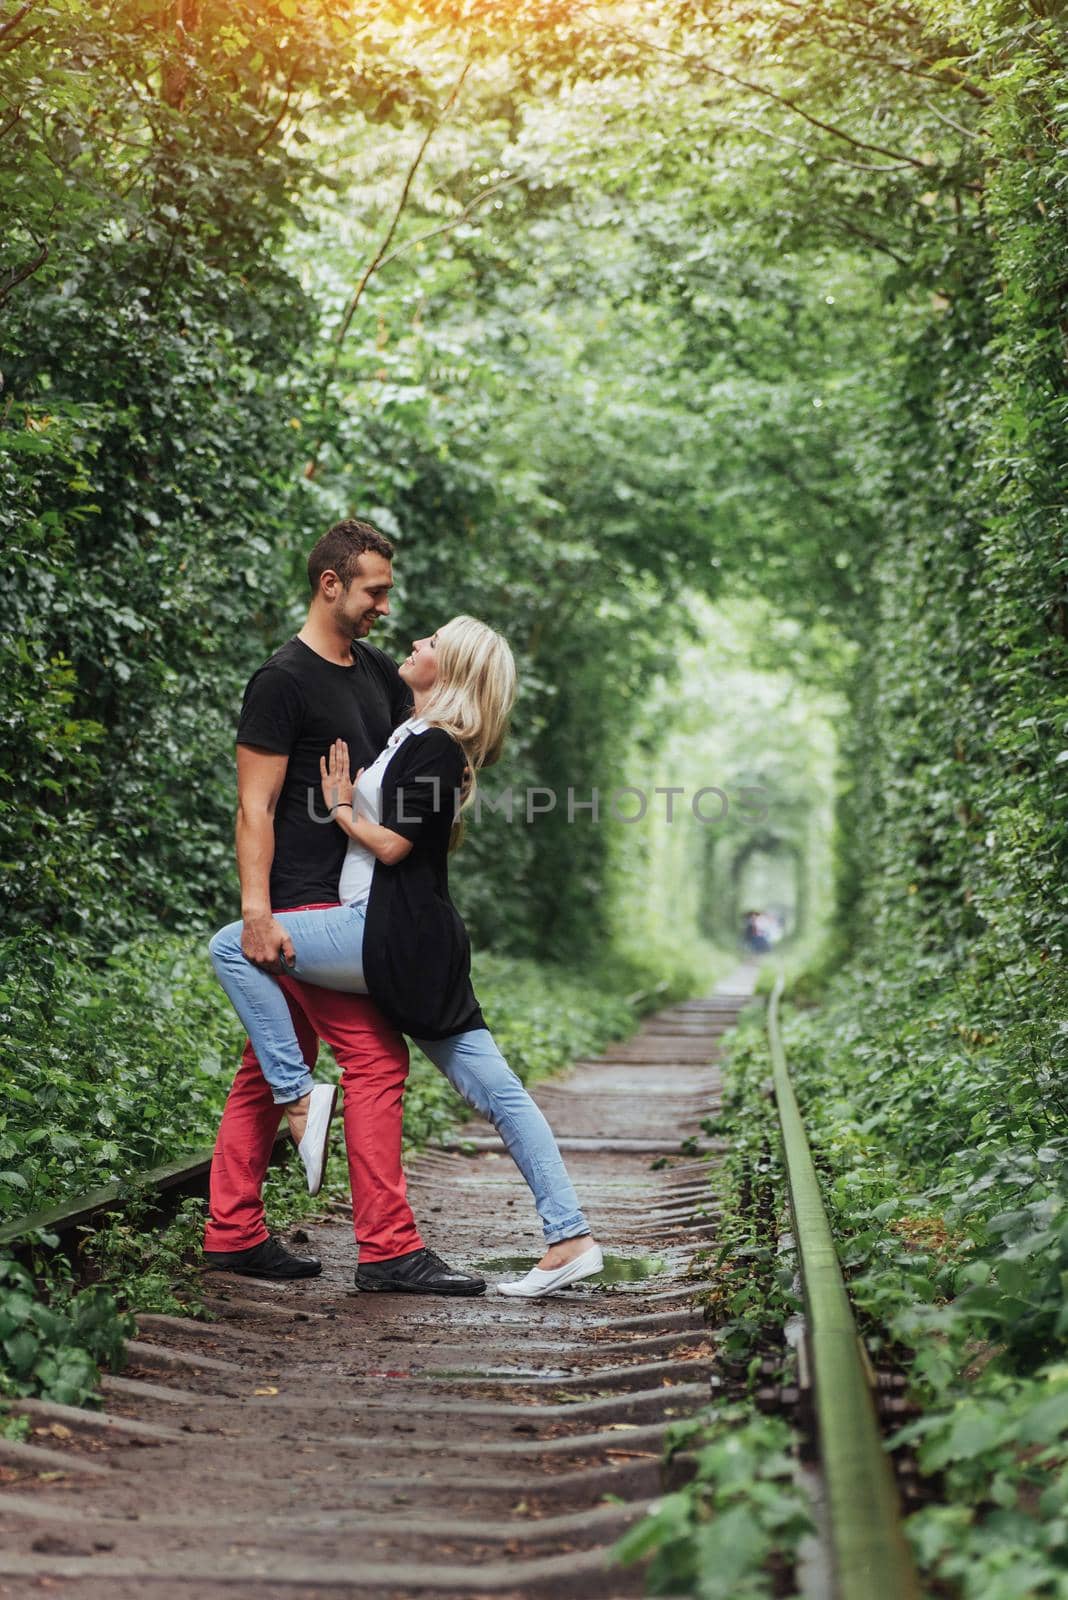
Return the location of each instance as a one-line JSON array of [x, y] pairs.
[[329, 952]]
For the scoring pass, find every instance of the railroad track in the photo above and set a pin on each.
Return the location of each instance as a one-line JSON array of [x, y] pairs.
[[869, 1557], [313, 1440]]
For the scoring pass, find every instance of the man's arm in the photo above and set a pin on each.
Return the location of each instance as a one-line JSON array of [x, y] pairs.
[[260, 775]]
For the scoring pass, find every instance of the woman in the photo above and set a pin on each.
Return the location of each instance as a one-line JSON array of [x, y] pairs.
[[398, 937]]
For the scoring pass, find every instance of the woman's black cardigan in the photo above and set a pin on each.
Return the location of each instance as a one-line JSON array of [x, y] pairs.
[[416, 953]]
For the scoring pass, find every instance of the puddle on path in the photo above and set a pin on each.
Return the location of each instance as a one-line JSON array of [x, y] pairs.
[[617, 1269]]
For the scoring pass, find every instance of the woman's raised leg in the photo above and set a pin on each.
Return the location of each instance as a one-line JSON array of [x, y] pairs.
[[327, 943], [328, 946]]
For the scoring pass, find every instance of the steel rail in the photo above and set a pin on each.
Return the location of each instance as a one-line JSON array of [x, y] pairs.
[[870, 1553], [187, 1176]]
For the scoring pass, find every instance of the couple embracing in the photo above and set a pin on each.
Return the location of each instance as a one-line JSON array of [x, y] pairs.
[[352, 775]]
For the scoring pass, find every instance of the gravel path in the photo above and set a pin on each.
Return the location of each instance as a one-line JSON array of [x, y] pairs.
[[314, 1440]]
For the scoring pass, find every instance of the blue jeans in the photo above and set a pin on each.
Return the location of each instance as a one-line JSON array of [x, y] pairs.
[[329, 952]]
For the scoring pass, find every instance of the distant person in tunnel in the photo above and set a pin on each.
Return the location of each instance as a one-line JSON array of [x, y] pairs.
[[757, 932], [397, 936]]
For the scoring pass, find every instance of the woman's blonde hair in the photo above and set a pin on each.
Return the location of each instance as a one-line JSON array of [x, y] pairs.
[[474, 693]]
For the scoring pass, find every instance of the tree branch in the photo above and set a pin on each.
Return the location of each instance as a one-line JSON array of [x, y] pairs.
[[380, 254], [23, 39], [870, 238], [820, 155], [951, 122], [13, 22], [700, 64], [18, 275], [799, 111], [376, 261], [780, 465], [277, 123], [863, 23], [454, 222]]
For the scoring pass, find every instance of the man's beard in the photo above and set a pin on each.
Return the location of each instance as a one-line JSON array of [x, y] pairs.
[[358, 626]]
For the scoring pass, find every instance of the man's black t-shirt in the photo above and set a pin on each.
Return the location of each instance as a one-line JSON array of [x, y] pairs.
[[296, 705]]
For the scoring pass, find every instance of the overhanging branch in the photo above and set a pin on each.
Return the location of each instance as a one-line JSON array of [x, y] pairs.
[[18, 275], [381, 253]]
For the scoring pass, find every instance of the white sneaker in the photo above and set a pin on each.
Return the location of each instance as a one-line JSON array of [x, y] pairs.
[[538, 1282], [312, 1148]]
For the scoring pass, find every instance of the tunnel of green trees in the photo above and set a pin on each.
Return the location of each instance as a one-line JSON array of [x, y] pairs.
[[713, 351]]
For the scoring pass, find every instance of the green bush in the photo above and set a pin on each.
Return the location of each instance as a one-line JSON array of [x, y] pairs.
[[944, 1159], [150, 1268], [715, 1538], [113, 1067], [52, 1345]]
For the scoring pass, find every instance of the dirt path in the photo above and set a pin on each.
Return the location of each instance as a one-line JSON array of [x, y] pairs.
[[315, 1440]]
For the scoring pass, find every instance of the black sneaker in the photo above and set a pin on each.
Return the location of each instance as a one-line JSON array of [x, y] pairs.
[[419, 1272], [267, 1260]]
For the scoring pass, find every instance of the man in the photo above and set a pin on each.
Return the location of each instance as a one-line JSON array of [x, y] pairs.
[[323, 684]]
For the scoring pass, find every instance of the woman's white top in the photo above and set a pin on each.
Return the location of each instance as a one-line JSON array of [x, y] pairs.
[[357, 870]]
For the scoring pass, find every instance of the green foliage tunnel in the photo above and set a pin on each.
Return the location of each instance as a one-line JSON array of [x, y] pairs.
[[609, 314]]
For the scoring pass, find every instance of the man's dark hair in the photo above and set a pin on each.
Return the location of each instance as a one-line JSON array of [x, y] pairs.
[[340, 549]]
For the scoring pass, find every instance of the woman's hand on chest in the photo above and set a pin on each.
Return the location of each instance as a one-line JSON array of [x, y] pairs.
[[334, 775]]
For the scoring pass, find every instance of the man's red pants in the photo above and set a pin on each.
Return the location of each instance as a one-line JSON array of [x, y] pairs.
[[373, 1058]]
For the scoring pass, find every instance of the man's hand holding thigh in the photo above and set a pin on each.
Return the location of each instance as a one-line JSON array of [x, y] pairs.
[[260, 775]]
